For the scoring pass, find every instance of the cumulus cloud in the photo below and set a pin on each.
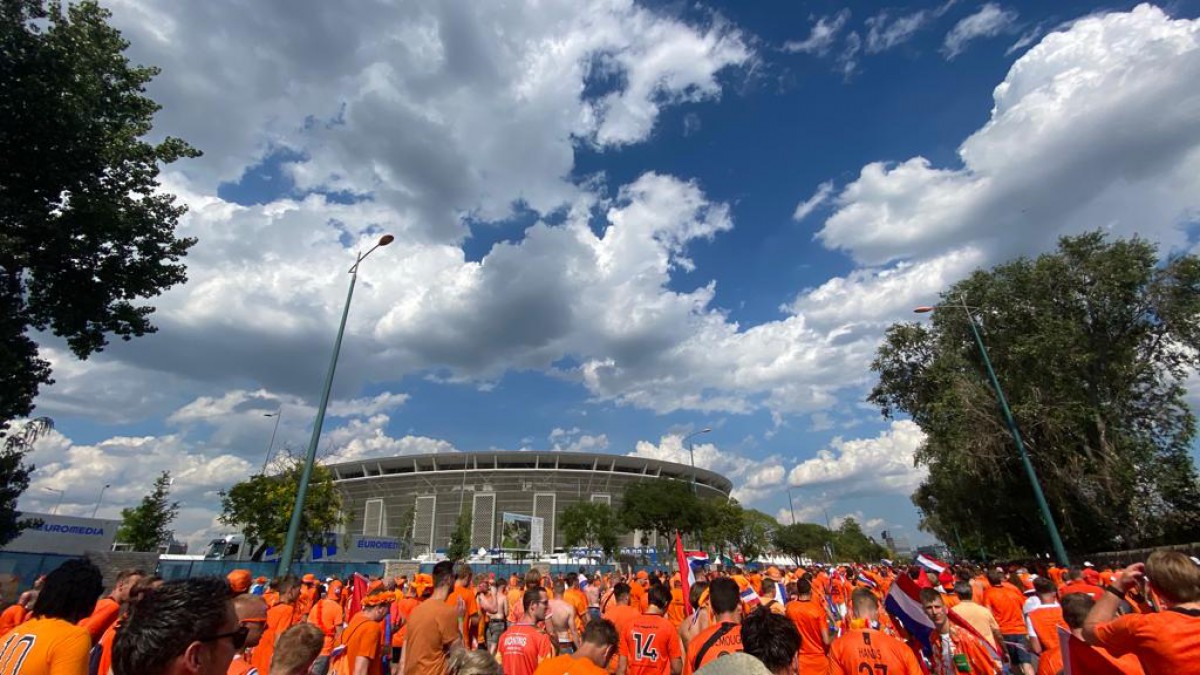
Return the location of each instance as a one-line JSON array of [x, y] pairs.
[[879, 465], [574, 440], [822, 36], [990, 21], [753, 480]]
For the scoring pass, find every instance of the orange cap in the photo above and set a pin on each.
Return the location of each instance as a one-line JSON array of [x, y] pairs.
[[643, 574], [239, 581], [309, 579], [375, 599]]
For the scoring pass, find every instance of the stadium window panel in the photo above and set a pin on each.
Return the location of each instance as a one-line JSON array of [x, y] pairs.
[[423, 521], [373, 517], [483, 520], [543, 507], [602, 499]]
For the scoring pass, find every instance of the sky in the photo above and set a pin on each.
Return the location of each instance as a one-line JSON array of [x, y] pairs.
[[617, 224]]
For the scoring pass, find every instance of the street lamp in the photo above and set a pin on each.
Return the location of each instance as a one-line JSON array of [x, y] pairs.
[[278, 415], [1052, 529], [58, 503], [692, 454], [100, 499], [289, 545]]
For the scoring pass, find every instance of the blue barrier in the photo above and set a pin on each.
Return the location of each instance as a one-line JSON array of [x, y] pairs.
[[184, 569], [25, 568]]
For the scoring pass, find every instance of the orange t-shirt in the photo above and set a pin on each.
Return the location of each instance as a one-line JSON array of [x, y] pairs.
[[568, 665], [304, 603], [578, 601], [362, 638], [622, 616], [675, 611], [1166, 642], [522, 648], [238, 666], [279, 619], [1050, 662], [106, 645], [45, 647], [401, 609], [470, 609], [1078, 586], [637, 597], [810, 619], [1007, 605], [650, 646], [868, 650], [729, 642], [431, 628], [103, 616], [1045, 621], [962, 642], [327, 615], [12, 617]]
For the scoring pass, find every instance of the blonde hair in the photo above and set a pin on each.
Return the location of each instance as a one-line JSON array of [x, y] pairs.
[[1175, 577], [296, 649], [473, 662]]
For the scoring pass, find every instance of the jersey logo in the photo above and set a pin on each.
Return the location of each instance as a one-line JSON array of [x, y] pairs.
[[644, 647], [15, 647]]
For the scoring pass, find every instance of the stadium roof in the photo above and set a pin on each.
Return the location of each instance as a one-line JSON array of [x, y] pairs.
[[517, 460]]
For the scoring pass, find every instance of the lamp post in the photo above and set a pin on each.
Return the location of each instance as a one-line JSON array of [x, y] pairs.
[[791, 506], [692, 454], [289, 545], [61, 494], [1051, 528], [278, 415], [100, 499]]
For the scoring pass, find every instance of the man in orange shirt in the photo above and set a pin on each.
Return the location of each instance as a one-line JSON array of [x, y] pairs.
[[463, 596], [361, 644], [577, 599], [252, 615], [620, 611], [637, 591], [676, 612], [597, 646], [308, 597], [1007, 605], [724, 636], [953, 648], [432, 628], [651, 647], [108, 608], [810, 619], [51, 643], [1085, 658], [523, 646], [399, 613], [279, 619], [1043, 621], [866, 649], [1076, 584], [328, 616], [239, 581], [1165, 642]]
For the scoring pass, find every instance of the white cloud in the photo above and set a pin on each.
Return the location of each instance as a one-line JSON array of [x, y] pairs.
[[990, 21], [824, 33], [806, 207], [1093, 127], [1027, 38], [753, 480], [848, 59], [884, 33], [879, 465], [573, 440]]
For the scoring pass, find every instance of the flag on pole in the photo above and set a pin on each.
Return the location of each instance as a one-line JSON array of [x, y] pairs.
[[358, 591], [687, 578], [930, 563]]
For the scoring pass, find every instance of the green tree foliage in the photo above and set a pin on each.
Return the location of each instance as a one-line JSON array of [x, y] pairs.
[[261, 506], [1092, 344], [592, 525], [851, 543], [460, 538], [802, 540], [809, 540], [14, 475], [146, 526], [85, 232], [662, 505]]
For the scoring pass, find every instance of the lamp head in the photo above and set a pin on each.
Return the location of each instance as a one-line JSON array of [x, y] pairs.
[[923, 309], [386, 239]]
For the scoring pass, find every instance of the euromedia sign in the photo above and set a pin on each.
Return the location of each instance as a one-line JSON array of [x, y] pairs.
[[67, 535]]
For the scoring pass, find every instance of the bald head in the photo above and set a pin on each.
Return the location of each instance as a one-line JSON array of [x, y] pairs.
[[249, 607]]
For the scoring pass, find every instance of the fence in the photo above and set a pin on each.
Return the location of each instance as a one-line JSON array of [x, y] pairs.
[[519, 569], [18, 571], [183, 569]]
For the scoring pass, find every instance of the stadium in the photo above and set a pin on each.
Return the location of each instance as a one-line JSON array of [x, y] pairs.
[[514, 496]]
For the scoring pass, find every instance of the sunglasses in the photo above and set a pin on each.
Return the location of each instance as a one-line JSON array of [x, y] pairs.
[[238, 637]]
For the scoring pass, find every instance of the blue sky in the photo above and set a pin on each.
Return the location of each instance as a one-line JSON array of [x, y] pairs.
[[617, 223]]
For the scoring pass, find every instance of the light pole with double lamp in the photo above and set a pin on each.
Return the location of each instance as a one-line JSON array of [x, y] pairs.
[[692, 454], [1051, 528], [289, 544]]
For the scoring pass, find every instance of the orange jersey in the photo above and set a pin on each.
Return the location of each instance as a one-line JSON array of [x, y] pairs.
[[622, 616], [470, 608], [1045, 621], [957, 642], [712, 642], [870, 651], [12, 617], [327, 616], [650, 645], [1166, 642], [238, 666], [1078, 586], [1007, 605], [106, 644], [45, 647], [279, 619], [568, 665], [362, 638], [103, 616], [810, 620], [304, 603], [522, 648], [675, 611], [398, 614]]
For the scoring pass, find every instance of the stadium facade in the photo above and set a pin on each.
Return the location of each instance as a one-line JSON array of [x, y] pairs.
[[504, 490]]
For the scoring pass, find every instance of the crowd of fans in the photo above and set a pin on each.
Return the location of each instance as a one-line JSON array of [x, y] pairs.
[[849, 619]]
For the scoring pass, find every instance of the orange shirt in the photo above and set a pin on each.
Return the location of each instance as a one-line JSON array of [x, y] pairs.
[[470, 609], [304, 603], [279, 619], [431, 628], [362, 638], [650, 646], [961, 642], [578, 601], [522, 648], [729, 642], [238, 666], [637, 597], [326, 615], [1078, 586], [1050, 662], [568, 665], [868, 650], [810, 618], [45, 647], [675, 611], [622, 616], [401, 610], [106, 645], [12, 617], [1166, 642], [1007, 605], [1044, 622], [103, 616]]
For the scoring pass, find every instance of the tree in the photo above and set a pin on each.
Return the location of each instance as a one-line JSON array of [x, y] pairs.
[[593, 525], [753, 539], [661, 505], [261, 506], [14, 476], [802, 540], [851, 543], [147, 526], [1092, 344], [85, 232], [460, 538], [408, 519]]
